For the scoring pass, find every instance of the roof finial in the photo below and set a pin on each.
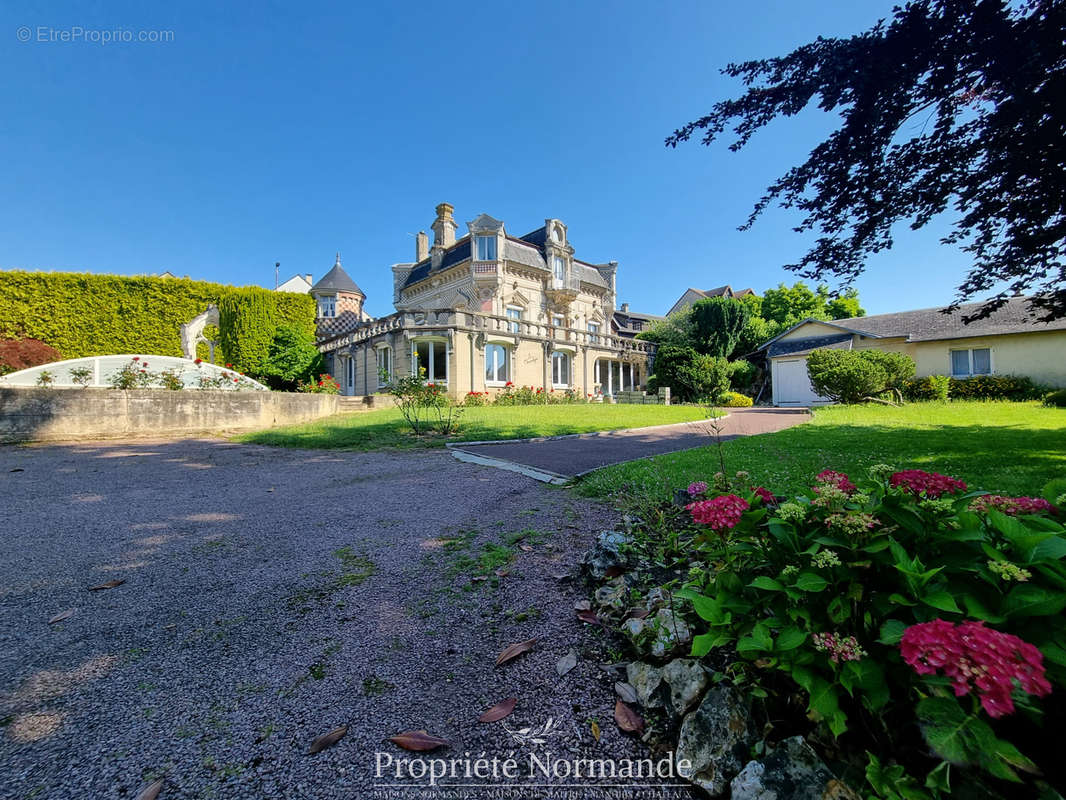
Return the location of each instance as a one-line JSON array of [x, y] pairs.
[[338, 260]]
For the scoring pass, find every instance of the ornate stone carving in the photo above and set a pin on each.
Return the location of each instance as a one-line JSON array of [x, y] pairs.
[[192, 332]]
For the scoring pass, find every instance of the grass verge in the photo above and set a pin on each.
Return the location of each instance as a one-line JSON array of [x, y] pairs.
[[376, 430], [1010, 448]]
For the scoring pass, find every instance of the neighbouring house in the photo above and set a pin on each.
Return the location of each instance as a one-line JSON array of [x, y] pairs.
[[692, 295], [488, 309], [339, 301], [298, 284], [1012, 341], [628, 324]]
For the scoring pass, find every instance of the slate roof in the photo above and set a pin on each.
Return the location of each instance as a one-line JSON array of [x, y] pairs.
[[527, 250], [930, 325], [623, 322], [800, 347], [701, 294], [336, 280]]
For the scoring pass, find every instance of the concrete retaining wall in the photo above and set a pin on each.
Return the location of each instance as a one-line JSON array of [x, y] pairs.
[[45, 415]]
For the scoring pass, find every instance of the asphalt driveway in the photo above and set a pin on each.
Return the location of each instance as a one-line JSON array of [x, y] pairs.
[[570, 456], [271, 595]]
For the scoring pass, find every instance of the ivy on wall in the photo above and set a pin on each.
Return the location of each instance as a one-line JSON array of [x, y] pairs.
[[81, 314]]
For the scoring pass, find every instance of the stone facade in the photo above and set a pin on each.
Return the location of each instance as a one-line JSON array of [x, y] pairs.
[[489, 309]]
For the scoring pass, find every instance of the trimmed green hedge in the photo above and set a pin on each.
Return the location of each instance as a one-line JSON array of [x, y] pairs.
[[995, 387], [81, 314]]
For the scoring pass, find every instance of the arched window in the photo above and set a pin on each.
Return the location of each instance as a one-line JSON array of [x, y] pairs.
[[561, 370], [496, 366]]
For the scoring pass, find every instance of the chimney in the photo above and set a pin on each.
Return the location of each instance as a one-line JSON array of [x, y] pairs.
[[310, 279], [625, 308], [444, 226], [421, 246]]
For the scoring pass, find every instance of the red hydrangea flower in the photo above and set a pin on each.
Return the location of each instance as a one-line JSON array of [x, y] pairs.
[[976, 657], [766, 495], [837, 479], [931, 484], [720, 513], [1012, 506]]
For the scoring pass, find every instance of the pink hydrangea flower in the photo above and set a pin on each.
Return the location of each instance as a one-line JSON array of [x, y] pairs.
[[697, 487], [1012, 506], [840, 648], [977, 658], [721, 513], [837, 479], [931, 484], [766, 495]]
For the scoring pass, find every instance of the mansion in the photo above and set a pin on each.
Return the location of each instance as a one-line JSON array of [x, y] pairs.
[[484, 310]]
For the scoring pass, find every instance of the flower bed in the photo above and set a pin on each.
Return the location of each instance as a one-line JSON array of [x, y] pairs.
[[911, 628]]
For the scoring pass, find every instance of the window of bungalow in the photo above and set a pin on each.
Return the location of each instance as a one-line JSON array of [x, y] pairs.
[[496, 363], [432, 356], [384, 361], [560, 370], [486, 248]]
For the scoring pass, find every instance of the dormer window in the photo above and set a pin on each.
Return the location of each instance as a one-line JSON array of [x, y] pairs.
[[559, 267], [486, 248], [327, 305]]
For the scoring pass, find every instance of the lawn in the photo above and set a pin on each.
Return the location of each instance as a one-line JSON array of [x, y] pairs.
[[1009, 448], [374, 430]]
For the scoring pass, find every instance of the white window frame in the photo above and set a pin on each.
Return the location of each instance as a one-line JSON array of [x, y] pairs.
[[383, 354], [969, 351], [478, 256], [431, 366], [594, 332], [558, 356], [558, 320], [559, 267], [327, 306], [491, 348], [514, 321]]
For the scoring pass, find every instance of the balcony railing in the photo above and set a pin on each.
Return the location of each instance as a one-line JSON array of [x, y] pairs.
[[485, 267]]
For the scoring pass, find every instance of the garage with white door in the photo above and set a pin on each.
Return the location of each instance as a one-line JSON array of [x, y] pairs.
[[792, 386]]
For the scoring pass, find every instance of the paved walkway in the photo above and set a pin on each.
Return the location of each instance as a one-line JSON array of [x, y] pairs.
[[570, 456]]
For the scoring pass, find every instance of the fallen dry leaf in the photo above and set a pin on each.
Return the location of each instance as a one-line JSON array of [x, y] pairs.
[[525, 548], [502, 573], [327, 739], [566, 663], [478, 579], [152, 790], [637, 613], [514, 651], [108, 585], [589, 617], [613, 571], [594, 726], [499, 711], [417, 740], [626, 692], [582, 605], [62, 615], [627, 718]]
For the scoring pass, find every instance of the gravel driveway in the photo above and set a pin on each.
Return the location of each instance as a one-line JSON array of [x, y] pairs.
[[271, 595]]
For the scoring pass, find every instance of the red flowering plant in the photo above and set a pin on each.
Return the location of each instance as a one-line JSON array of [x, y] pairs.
[[894, 604]]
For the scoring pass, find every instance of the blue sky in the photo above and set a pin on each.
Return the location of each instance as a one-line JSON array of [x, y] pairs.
[[287, 132]]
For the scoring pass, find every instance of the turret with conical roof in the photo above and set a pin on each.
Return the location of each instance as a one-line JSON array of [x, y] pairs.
[[340, 300]]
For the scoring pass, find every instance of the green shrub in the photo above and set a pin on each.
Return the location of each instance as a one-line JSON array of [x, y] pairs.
[[425, 406], [92, 315], [742, 375], [292, 357], [1056, 399], [898, 367], [692, 377], [813, 596], [734, 400], [995, 387], [323, 384], [931, 387]]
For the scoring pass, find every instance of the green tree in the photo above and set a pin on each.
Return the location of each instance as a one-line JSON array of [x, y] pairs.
[[951, 106], [845, 305], [246, 327], [852, 376], [692, 377], [718, 323], [292, 358], [790, 304], [677, 330]]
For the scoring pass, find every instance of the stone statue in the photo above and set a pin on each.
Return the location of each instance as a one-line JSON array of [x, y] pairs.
[[192, 332]]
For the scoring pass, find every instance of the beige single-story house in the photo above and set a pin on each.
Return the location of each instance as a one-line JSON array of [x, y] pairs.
[[1012, 341]]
